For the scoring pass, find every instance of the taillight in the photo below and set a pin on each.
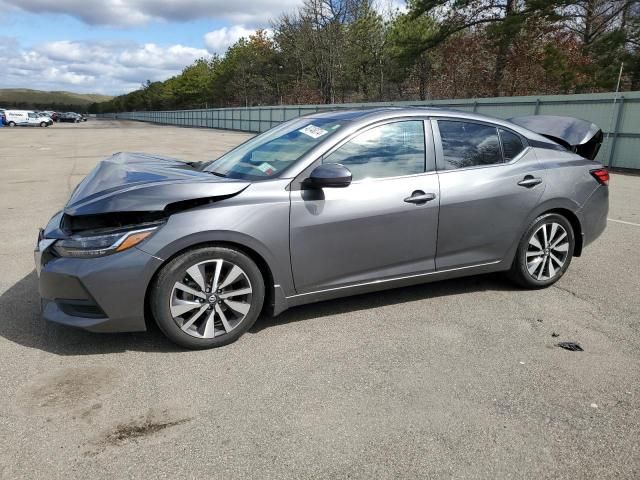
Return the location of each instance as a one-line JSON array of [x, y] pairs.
[[601, 175]]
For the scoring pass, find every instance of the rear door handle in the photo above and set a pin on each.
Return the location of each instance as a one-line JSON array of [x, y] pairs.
[[529, 181], [419, 197]]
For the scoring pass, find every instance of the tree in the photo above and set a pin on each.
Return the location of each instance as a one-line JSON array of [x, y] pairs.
[[503, 18], [406, 36], [364, 54], [330, 51]]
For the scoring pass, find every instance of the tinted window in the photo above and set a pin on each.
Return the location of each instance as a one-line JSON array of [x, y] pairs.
[[511, 144], [467, 144], [390, 150]]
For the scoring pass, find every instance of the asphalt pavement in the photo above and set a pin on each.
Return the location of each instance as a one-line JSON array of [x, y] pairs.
[[458, 379]]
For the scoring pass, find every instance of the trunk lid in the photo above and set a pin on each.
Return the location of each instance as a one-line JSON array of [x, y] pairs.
[[579, 136]]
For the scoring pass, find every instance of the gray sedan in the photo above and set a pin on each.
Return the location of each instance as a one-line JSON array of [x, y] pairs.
[[323, 206]]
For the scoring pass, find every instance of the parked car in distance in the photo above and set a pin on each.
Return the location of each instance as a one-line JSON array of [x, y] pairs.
[[320, 207], [26, 118], [70, 117], [52, 115]]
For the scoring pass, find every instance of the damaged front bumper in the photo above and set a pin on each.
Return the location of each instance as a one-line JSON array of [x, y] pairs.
[[102, 294]]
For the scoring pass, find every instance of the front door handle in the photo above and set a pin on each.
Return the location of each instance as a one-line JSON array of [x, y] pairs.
[[529, 181], [419, 197]]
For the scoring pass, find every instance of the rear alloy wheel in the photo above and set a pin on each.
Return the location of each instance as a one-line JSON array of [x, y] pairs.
[[544, 253], [43, 124], [207, 297]]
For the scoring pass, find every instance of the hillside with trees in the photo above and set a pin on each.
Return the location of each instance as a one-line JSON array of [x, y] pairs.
[[335, 51], [39, 99]]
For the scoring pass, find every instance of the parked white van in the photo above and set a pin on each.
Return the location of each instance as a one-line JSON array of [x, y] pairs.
[[26, 118]]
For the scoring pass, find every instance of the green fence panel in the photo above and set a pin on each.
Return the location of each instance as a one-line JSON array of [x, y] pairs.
[[617, 115]]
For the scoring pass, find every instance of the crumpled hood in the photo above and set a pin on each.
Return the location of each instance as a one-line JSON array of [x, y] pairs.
[[142, 182]]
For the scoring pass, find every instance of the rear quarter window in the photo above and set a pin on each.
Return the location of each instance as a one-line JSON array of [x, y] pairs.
[[511, 144]]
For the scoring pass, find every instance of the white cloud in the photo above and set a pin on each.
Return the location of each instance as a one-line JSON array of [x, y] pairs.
[[151, 55], [125, 13], [102, 67], [219, 40]]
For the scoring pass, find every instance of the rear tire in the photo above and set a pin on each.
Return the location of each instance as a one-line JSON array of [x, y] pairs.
[[194, 315], [12, 124], [43, 124], [544, 253]]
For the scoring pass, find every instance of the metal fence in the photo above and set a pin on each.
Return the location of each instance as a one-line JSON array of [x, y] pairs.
[[618, 116]]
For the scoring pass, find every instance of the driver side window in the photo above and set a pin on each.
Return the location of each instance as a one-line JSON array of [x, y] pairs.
[[389, 150]]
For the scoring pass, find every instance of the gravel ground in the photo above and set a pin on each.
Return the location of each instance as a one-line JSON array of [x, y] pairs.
[[459, 379]]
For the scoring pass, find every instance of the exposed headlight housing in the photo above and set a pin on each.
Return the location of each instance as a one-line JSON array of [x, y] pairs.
[[85, 246]]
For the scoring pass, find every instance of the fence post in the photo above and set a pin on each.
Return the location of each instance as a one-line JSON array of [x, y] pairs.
[[616, 130], [537, 107], [475, 106]]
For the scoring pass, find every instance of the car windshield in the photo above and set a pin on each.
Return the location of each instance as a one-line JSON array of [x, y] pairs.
[[270, 153]]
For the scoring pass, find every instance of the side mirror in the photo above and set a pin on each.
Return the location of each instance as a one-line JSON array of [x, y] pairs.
[[329, 175]]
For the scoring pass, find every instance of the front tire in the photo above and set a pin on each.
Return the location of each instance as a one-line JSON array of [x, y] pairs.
[[207, 297], [12, 124], [544, 253], [43, 124]]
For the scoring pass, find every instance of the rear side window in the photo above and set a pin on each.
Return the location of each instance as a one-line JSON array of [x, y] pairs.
[[466, 144], [511, 144]]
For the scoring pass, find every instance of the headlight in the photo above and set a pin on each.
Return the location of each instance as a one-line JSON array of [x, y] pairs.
[[99, 245]]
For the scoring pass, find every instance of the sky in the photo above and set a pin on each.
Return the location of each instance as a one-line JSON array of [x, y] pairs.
[[113, 46]]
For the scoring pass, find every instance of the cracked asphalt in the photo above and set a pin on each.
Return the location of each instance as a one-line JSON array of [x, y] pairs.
[[458, 379]]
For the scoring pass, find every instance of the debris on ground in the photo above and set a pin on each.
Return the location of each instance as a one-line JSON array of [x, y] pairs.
[[554, 334], [571, 346], [594, 405]]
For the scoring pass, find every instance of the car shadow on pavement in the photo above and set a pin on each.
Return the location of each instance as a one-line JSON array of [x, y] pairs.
[[21, 322], [370, 301]]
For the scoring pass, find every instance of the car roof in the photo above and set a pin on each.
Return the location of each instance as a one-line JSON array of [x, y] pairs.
[[368, 115]]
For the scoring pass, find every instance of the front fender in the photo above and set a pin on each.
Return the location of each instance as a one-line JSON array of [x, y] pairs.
[[264, 229]]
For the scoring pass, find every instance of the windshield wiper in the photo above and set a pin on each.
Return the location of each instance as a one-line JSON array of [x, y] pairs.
[[217, 174], [196, 165]]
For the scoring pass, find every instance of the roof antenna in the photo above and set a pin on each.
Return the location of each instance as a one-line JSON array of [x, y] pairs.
[[613, 109]]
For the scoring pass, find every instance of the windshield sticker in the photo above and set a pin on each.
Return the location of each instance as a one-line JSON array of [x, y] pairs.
[[313, 131], [266, 168]]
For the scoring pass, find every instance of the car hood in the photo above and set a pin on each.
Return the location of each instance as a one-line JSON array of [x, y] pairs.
[[127, 182]]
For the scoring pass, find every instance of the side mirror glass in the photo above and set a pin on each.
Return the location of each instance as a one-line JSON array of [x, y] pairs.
[[329, 175]]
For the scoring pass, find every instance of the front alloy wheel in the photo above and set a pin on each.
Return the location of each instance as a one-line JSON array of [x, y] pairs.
[[207, 297], [212, 299]]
